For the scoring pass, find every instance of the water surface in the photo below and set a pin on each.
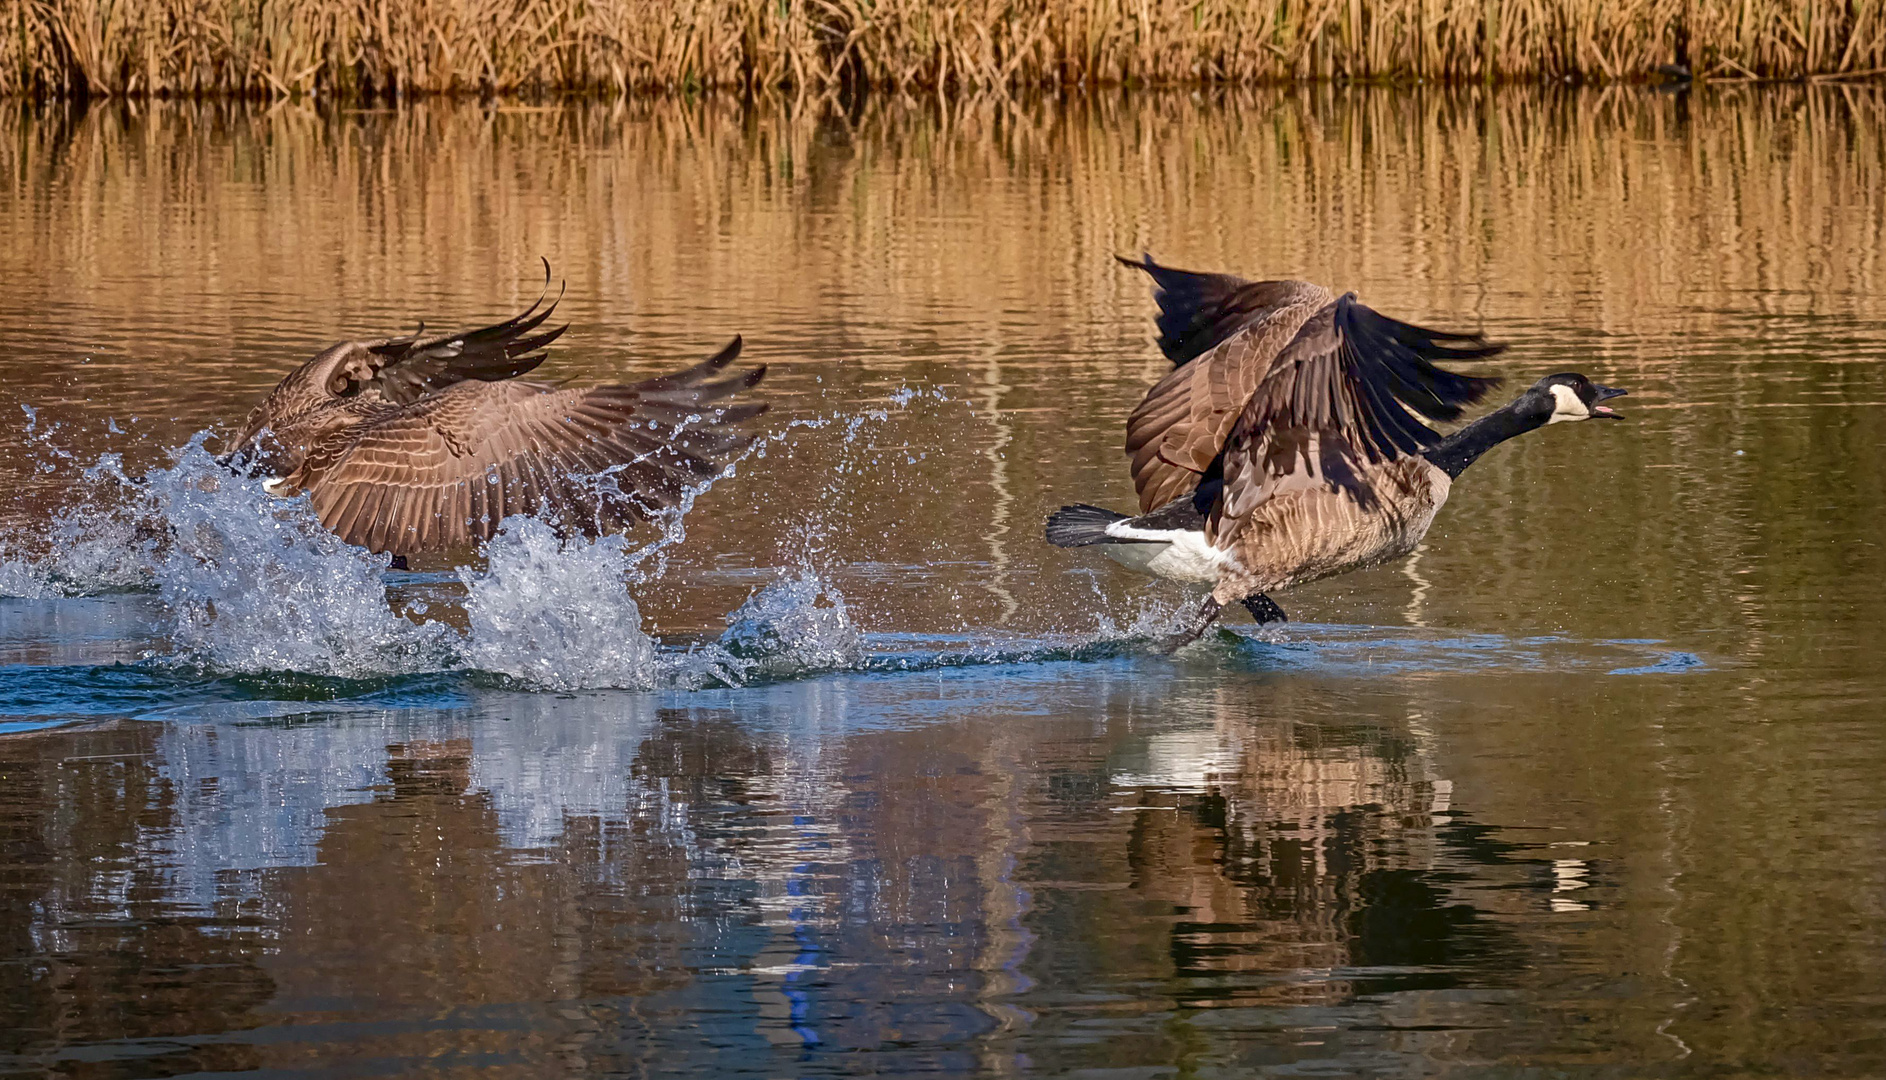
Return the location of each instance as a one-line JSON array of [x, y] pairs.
[[858, 774]]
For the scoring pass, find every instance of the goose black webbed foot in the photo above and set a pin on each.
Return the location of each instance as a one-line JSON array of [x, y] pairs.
[[1263, 609], [397, 562], [1202, 617]]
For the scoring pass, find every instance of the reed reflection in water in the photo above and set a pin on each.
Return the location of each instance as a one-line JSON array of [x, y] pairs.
[[1590, 787]]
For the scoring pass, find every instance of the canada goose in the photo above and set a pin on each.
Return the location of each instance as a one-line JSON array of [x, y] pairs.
[[418, 443], [1284, 448]]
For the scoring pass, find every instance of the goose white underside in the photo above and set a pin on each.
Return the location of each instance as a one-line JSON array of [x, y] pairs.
[[1174, 554]]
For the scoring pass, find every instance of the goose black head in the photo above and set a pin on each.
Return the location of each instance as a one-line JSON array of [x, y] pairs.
[[1570, 396]]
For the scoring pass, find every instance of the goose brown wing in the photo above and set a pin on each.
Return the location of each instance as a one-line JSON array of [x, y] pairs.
[[444, 471], [406, 369], [401, 370], [1343, 395], [1200, 311], [1222, 334]]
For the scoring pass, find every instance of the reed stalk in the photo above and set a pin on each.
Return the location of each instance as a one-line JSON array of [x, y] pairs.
[[367, 49]]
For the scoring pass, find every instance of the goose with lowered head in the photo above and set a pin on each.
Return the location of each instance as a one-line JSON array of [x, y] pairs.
[[416, 443], [1286, 445]]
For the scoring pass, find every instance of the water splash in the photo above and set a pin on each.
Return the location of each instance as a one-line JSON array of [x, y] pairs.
[[21, 576], [99, 541], [254, 583], [556, 613], [795, 626], [82, 553]]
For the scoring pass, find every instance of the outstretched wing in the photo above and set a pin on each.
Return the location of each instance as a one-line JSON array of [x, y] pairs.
[[444, 471], [1222, 334], [1344, 394], [409, 368], [401, 370], [1199, 311]]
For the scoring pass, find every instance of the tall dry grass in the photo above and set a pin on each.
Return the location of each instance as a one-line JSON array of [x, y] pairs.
[[371, 48]]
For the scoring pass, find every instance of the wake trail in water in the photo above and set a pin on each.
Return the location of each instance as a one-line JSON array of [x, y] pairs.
[[253, 584]]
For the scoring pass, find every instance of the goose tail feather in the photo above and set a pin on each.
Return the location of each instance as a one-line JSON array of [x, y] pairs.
[[1080, 525]]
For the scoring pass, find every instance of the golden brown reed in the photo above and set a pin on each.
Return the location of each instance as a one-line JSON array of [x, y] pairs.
[[369, 48]]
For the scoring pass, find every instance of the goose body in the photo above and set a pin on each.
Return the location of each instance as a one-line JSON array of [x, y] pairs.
[[1286, 444], [412, 444]]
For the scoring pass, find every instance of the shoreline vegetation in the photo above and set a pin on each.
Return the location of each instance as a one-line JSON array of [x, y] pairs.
[[367, 50]]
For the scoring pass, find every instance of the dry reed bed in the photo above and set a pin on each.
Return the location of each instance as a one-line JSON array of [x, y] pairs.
[[370, 48]]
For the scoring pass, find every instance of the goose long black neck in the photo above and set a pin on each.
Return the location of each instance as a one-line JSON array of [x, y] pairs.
[[1453, 454]]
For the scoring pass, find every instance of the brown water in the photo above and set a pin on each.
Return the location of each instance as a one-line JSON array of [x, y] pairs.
[[1589, 786]]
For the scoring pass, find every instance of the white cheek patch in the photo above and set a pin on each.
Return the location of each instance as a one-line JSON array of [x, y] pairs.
[[1568, 407]]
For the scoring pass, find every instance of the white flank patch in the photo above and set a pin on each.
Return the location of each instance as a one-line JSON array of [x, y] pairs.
[[1174, 554], [277, 485]]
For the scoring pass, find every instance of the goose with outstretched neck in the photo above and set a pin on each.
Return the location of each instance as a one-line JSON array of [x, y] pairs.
[[1287, 444]]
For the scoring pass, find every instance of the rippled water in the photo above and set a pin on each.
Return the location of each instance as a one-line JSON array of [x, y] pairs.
[[853, 773]]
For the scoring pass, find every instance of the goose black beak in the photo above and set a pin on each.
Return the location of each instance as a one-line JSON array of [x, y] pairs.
[[1606, 393]]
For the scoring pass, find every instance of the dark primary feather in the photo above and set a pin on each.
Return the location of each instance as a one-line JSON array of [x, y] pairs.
[[1179, 429], [1347, 389], [413, 367], [1398, 359], [365, 374], [1199, 311], [1181, 514]]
